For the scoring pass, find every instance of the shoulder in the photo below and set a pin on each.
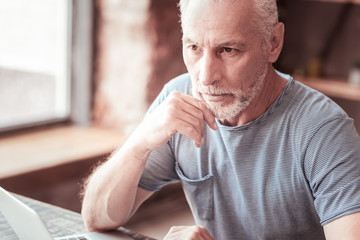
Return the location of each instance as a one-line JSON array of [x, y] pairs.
[[312, 109], [181, 83], [306, 112]]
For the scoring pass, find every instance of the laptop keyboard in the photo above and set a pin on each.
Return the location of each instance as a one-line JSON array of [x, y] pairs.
[[76, 238], [59, 222], [58, 228]]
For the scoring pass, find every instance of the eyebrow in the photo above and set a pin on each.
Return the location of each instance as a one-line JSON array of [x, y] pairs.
[[187, 40], [230, 43], [235, 43]]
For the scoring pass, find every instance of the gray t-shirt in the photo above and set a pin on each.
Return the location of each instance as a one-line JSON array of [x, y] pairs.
[[281, 176]]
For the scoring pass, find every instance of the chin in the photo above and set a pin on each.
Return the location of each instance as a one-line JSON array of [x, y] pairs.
[[227, 112]]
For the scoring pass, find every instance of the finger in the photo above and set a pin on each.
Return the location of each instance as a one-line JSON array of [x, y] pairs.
[[194, 118], [187, 108], [193, 112], [188, 130], [196, 123], [208, 116], [182, 111]]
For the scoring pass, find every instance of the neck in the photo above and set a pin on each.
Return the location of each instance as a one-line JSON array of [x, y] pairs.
[[273, 86]]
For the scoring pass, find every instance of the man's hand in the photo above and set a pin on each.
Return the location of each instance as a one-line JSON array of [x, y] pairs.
[[188, 233], [179, 113]]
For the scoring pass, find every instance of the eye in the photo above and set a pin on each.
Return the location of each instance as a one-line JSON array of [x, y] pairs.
[[194, 47], [226, 49]]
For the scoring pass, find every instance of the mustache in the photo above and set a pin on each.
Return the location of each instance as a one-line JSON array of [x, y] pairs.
[[199, 89], [213, 90]]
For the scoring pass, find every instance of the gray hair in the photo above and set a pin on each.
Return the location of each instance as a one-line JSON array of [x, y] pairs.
[[266, 16]]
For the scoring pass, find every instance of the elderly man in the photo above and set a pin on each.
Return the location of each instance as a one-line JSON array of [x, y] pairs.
[[259, 155]]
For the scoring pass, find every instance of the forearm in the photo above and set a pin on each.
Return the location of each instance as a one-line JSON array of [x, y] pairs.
[[346, 227], [110, 194]]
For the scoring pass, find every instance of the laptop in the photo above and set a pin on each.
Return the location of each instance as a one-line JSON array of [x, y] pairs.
[[27, 224]]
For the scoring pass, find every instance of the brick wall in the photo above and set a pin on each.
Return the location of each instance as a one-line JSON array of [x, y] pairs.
[[138, 49]]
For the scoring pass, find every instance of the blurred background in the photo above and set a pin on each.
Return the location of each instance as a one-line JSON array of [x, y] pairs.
[[77, 76]]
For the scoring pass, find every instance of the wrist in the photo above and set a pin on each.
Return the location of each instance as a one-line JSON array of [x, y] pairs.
[[136, 148]]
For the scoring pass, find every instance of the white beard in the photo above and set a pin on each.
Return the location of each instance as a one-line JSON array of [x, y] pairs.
[[241, 99]]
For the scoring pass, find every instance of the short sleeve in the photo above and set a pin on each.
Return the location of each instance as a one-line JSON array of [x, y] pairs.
[[332, 168], [159, 169], [160, 166]]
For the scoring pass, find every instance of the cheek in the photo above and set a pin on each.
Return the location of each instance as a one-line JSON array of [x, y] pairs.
[[240, 74], [190, 63], [238, 70], [186, 59]]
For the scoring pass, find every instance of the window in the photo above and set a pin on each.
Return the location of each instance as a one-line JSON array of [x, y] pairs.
[[38, 61]]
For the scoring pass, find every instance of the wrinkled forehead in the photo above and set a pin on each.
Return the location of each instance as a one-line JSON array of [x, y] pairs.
[[217, 16], [217, 12]]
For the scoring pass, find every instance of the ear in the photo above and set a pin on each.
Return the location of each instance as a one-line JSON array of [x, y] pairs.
[[276, 42]]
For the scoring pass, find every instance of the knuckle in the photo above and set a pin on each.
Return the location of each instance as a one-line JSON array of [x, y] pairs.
[[171, 101], [199, 124], [190, 130], [201, 104], [171, 109], [199, 229], [199, 114], [175, 94], [192, 133]]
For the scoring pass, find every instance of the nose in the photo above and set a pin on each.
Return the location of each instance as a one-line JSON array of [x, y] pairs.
[[209, 69]]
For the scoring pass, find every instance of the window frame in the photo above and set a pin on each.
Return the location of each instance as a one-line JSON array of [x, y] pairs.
[[80, 28]]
